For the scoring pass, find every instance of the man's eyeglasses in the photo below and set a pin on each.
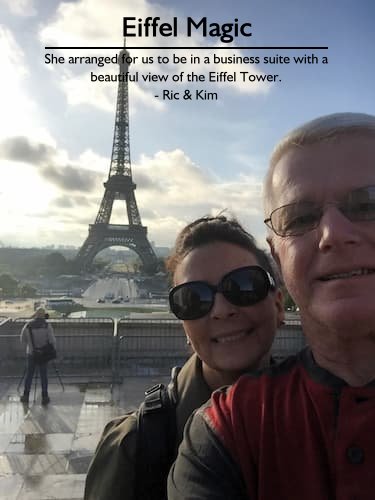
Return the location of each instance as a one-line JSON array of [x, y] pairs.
[[241, 287], [298, 218]]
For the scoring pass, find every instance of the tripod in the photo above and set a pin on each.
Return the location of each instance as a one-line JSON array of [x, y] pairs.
[[36, 374]]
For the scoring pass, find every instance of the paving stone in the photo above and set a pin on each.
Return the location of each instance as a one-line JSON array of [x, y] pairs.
[[45, 451]]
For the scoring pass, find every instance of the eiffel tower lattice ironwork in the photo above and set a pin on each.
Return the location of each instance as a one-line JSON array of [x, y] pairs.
[[119, 186]]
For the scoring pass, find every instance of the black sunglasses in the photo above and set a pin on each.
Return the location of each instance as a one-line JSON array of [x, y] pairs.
[[241, 287]]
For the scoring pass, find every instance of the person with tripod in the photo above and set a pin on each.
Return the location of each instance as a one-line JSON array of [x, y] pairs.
[[36, 334]]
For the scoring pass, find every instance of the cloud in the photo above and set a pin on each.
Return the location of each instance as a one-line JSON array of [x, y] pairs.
[[90, 160], [67, 202], [168, 172], [70, 178], [24, 8], [22, 149], [50, 166], [13, 98], [17, 103], [172, 190]]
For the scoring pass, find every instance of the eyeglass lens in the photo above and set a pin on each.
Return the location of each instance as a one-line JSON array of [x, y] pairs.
[[298, 218]]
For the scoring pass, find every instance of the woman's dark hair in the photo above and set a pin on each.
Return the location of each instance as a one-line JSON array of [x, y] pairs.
[[214, 229]]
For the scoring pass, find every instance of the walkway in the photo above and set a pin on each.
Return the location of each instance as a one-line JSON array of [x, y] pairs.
[[45, 451]]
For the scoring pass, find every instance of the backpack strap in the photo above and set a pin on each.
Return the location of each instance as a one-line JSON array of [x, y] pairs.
[[172, 385], [156, 439], [31, 336]]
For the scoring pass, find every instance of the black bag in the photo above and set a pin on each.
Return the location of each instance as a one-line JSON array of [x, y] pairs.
[[42, 354]]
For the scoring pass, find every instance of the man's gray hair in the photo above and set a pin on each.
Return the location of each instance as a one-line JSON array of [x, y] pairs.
[[324, 128]]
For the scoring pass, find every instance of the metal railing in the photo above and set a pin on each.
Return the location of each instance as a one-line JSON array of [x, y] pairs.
[[289, 340], [88, 355], [104, 349], [149, 346]]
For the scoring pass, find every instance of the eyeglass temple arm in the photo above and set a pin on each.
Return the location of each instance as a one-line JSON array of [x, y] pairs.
[[272, 281], [268, 222]]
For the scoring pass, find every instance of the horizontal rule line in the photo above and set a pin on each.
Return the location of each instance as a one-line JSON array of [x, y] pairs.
[[195, 48]]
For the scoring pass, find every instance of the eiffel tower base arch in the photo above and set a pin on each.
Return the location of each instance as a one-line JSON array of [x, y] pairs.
[[102, 236]]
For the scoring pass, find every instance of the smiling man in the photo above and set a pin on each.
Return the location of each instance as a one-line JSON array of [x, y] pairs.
[[305, 428]]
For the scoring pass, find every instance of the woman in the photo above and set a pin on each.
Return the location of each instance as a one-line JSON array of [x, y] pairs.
[[35, 334], [225, 294]]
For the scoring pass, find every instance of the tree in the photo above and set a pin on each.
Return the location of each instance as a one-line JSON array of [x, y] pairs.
[[54, 264], [27, 290], [8, 284]]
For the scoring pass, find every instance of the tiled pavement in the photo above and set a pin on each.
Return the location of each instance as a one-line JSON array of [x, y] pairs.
[[45, 451]]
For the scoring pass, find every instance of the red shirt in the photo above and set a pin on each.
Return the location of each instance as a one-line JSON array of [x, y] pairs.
[[294, 432]]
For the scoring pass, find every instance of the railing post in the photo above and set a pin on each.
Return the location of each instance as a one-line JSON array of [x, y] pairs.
[[115, 362]]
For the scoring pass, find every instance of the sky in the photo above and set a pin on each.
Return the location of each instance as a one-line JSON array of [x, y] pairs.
[[189, 157]]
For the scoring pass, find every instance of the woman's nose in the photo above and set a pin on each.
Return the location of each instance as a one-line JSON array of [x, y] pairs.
[[222, 308]]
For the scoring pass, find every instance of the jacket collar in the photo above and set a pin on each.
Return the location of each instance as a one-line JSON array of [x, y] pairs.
[[192, 391]]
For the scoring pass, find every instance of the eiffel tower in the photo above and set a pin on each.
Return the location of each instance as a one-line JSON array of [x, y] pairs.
[[119, 186]]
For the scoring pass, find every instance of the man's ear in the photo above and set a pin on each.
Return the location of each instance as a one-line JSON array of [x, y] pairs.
[[273, 251], [279, 304]]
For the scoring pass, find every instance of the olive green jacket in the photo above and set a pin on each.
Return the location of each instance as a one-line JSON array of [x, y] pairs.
[[112, 471]]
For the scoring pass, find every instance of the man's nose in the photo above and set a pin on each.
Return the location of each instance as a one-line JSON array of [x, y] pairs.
[[336, 229]]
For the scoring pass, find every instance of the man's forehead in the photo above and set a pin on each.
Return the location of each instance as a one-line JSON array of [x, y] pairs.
[[288, 175], [343, 163]]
